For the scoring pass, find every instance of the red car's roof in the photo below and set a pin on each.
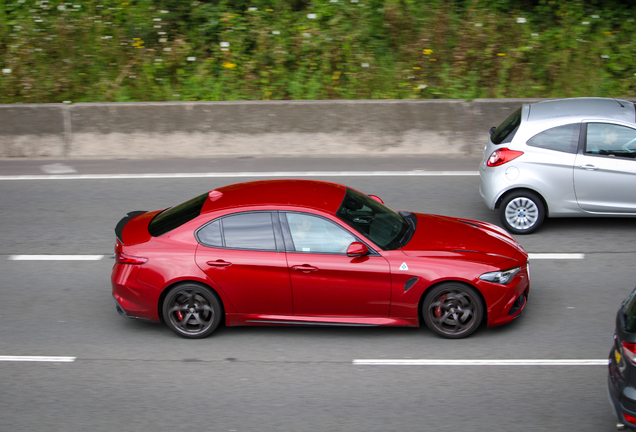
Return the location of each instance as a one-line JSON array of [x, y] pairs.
[[300, 193]]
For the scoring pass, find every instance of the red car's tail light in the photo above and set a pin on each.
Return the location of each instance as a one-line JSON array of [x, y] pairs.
[[129, 259], [502, 156], [629, 350]]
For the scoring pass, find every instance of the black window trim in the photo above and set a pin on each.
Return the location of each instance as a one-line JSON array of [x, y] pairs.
[[278, 233], [582, 138], [290, 244]]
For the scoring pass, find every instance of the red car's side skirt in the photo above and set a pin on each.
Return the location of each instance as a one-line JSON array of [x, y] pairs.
[[277, 320]]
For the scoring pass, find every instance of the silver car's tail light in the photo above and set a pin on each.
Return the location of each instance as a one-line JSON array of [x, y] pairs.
[[502, 156]]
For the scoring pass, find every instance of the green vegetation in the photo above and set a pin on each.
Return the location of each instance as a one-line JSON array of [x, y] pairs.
[[184, 50]]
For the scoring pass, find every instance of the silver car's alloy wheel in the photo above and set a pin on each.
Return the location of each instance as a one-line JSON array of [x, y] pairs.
[[522, 212]]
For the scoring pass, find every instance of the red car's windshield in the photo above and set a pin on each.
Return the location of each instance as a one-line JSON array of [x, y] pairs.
[[383, 226]]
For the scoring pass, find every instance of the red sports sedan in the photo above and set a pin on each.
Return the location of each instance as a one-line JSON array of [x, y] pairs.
[[303, 252]]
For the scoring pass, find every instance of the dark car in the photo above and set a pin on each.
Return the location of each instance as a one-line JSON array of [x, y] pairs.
[[622, 365], [302, 252]]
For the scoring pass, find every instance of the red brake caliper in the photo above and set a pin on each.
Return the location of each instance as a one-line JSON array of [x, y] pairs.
[[438, 309], [179, 314]]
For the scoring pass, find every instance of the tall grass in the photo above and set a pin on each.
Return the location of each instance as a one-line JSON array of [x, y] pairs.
[[162, 50]]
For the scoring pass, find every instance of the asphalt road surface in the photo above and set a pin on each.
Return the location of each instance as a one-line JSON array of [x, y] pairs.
[[114, 374]]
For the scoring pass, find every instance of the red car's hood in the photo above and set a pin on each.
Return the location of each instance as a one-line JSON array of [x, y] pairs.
[[447, 236]]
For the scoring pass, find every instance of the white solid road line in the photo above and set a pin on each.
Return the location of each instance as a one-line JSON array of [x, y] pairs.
[[37, 359], [372, 362], [557, 256], [55, 257], [243, 174], [533, 256], [525, 362]]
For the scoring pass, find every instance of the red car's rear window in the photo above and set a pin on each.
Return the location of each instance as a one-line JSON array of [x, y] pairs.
[[176, 216]]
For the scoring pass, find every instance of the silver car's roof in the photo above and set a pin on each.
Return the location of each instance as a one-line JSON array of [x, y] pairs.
[[583, 108]]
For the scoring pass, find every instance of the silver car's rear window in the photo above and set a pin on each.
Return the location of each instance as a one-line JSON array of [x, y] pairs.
[[507, 129], [629, 313]]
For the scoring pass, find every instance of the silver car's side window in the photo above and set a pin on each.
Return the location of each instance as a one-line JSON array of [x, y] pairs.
[[562, 138], [606, 139]]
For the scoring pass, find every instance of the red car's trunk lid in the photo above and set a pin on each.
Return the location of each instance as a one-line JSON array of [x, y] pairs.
[[133, 228]]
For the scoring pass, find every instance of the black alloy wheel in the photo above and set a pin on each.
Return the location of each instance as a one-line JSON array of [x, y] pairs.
[[453, 310], [192, 311]]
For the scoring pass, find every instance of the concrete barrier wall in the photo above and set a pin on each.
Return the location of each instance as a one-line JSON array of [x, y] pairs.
[[207, 129]]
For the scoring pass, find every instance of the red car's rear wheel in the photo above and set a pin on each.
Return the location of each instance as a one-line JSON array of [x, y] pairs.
[[192, 311]]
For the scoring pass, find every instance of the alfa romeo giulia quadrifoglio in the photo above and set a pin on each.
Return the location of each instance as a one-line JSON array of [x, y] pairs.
[[303, 252]]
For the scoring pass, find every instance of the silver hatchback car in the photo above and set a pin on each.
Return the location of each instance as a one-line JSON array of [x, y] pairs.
[[561, 158]]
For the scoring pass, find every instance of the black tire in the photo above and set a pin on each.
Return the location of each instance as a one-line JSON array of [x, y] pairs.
[[522, 212], [453, 310], [192, 311]]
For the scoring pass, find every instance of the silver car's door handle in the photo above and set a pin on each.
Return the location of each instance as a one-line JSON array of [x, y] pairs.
[[589, 167]]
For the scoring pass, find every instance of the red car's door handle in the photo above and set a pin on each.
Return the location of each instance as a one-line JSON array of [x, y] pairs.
[[218, 263], [305, 268]]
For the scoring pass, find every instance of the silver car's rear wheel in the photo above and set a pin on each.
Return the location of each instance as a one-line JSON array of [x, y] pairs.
[[522, 212]]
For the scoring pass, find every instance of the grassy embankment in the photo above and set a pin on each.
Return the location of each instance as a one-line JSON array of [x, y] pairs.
[[163, 50]]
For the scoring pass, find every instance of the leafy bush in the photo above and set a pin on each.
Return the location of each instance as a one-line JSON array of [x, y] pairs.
[[161, 50]]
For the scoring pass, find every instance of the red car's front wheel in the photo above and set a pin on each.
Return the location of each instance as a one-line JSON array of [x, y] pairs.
[[453, 310]]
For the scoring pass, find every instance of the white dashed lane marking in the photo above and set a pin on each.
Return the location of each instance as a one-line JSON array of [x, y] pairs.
[[37, 359], [522, 362], [556, 256], [58, 168], [55, 257]]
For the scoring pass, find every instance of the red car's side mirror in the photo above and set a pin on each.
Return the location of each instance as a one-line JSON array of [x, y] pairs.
[[377, 198], [357, 249]]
